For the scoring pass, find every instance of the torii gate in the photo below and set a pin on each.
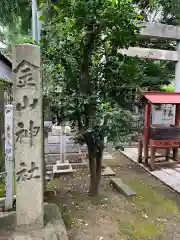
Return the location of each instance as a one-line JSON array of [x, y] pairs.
[[158, 31]]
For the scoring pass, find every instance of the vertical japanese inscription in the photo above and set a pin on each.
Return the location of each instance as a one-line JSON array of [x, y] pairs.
[[30, 132], [27, 173], [24, 73], [27, 96], [8, 129], [9, 156]]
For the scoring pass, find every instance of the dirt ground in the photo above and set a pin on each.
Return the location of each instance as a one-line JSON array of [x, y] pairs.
[[152, 215]]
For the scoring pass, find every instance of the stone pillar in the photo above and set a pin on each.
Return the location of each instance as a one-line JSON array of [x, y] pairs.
[[9, 156], [177, 77], [177, 70], [28, 134], [1, 124]]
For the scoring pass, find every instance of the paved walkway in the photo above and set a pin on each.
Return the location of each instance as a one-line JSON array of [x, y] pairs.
[[167, 174]]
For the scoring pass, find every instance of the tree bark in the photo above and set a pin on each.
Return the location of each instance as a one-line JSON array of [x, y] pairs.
[[98, 170], [92, 170], [95, 165]]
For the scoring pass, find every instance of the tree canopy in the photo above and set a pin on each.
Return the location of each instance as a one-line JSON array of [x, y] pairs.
[[89, 82]]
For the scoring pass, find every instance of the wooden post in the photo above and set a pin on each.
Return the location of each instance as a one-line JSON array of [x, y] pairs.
[[146, 131], [167, 152], [177, 120], [140, 149], [152, 158]]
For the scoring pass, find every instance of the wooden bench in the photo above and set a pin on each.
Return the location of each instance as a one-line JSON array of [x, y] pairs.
[[122, 188]]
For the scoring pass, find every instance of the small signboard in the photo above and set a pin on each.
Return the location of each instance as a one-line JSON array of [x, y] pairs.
[[9, 158]]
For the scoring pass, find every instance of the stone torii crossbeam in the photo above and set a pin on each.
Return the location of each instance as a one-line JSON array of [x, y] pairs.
[[158, 31]]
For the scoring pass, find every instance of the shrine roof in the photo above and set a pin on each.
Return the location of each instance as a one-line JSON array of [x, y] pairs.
[[161, 97]]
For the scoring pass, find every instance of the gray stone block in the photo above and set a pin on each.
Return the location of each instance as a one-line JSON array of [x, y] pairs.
[[54, 228], [122, 188], [107, 171]]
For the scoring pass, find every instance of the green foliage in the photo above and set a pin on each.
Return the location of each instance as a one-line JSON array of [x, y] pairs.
[[15, 13], [168, 88], [87, 79]]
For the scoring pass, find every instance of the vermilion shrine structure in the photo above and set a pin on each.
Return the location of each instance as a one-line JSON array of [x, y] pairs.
[[159, 136], [168, 175]]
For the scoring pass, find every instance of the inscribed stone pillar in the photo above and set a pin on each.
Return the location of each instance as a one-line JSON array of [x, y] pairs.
[[28, 134]]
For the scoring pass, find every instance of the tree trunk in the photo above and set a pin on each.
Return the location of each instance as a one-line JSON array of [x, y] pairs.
[[95, 165], [98, 170], [92, 170]]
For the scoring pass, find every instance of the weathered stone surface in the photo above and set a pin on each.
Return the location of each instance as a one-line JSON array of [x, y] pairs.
[[162, 31], [2, 157], [28, 127], [107, 172], [56, 139], [55, 148], [107, 156], [148, 53], [60, 168], [53, 158], [54, 228], [122, 188], [74, 158], [71, 158]]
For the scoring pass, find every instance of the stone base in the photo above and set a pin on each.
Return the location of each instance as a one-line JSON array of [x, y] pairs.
[[107, 156], [107, 171], [60, 168], [54, 228]]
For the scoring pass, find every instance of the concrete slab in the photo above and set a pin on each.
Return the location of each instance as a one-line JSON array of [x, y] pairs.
[[107, 156], [54, 228], [61, 168], [107, 171], [122, 188]]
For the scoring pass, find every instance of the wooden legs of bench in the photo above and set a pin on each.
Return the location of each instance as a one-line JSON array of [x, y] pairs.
[[167, 153], [146, 150], [175, 153], [140, 149], [151, 162]]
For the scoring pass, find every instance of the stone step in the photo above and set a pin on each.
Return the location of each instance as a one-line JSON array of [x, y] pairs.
[[60, 168], [107, 171], [49, 167], [122, 188], [49, 172], [48, 177]]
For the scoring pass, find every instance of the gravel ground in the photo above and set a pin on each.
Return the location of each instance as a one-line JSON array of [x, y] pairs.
[[152, 215]]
